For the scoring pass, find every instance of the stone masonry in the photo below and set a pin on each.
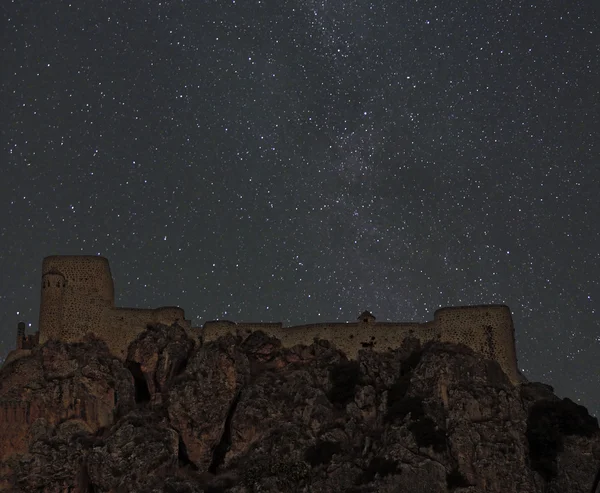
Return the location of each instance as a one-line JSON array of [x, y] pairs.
[[78, 300]]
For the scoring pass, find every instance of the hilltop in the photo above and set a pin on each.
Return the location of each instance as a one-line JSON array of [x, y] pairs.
[[245, 413]]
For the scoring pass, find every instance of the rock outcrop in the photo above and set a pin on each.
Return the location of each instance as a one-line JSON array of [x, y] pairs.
[[247, 415]]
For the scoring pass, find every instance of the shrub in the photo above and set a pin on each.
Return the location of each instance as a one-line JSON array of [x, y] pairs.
[[410, 363], [321, 452], [574, 419], [454, 479], [344, 378], [399, 407], [378, 466], [427, 434], [548, 422]]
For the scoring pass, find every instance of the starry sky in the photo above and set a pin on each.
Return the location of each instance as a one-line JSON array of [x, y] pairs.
[[303, 160]]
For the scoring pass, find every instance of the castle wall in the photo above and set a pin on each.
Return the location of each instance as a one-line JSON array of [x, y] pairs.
[[121, 326], [488, 330], [20, 335], [168, 315], [348, 337], [78, 299]]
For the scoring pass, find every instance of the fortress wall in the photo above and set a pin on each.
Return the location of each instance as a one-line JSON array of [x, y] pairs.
[[488, 330], [304, 334], [254, 326], [120, 327], [214, 329], [78, 298], [353, 337], [168, 315], [246, 328], [348, 337]]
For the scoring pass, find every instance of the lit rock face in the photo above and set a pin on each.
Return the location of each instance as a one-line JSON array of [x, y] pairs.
[[245, 415], [58, 383]]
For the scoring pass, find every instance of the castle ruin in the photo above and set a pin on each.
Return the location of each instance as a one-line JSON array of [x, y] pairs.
[[487, 329], [78, 300]]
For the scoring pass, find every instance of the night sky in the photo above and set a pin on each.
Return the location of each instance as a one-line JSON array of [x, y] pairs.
[[301, 161]]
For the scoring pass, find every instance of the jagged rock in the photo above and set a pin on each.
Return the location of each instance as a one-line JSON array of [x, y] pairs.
[[55, 461], [159, 354], [57, 383], [137, 450], [246, 415], [200, 401]]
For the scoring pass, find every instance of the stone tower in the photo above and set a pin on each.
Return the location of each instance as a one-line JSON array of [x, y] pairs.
[[75, 292]]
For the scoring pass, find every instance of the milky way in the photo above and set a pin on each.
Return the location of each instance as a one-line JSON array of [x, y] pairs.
[[303, 161]]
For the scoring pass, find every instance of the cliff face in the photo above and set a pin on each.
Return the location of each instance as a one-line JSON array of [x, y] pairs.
[[248, 415]]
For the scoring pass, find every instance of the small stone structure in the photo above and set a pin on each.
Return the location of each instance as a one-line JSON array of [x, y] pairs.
[[26, 341], [78, 300]]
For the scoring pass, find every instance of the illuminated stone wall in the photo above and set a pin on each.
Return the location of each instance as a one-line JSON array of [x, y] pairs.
[[487, 329], [78, 299]]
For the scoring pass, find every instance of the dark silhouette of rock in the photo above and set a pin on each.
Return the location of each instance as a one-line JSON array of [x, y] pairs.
[[246, 415]]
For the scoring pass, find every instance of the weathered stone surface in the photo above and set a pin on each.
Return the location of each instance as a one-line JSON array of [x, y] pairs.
[[247, 415], [55, 461], [200, 401], [160, 353], [138, 450], [59, 382]]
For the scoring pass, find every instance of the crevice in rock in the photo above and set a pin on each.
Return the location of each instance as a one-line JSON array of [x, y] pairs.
[[183, 457], [596, 482], [224, 444], [455, 479], [142, 394], [181, 365], [85, 484]]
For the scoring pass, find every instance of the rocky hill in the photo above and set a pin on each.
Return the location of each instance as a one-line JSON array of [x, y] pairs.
[[250, 416]]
